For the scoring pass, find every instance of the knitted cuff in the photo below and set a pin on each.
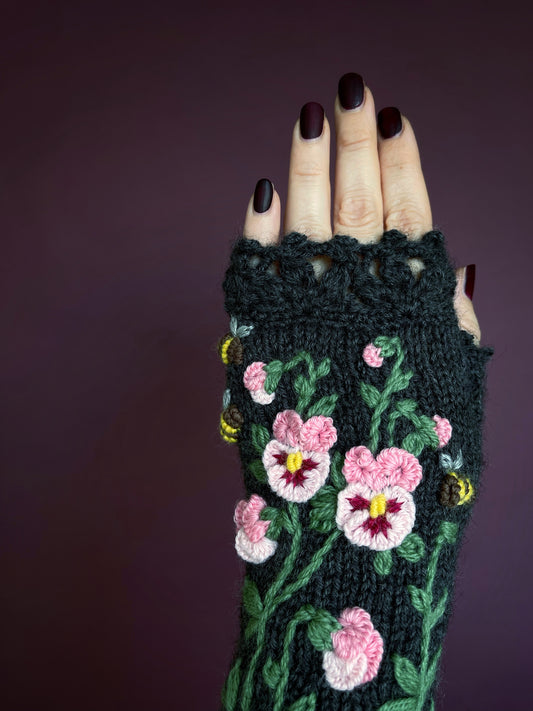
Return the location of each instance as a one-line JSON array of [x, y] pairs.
[[356, 402]]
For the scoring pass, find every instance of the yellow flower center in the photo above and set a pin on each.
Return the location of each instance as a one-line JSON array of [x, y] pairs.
[[378, 506], [294, 461]]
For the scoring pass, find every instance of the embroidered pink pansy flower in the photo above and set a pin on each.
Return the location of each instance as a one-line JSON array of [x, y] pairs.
[[376, 509], [297, 461], [251, 542], [254, 381], [357, 651], [443, 429]]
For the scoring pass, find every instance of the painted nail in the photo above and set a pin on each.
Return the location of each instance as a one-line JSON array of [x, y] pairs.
[[264, 190], [389, 122], [311, 120], [351, 91], [470, 278]]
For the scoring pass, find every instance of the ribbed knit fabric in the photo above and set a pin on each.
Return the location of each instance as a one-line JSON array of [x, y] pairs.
[[356, 402]]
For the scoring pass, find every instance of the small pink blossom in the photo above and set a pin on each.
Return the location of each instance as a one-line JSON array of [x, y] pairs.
[[251, 542], [392, 467], [377, 519], [254, 381], [297, 460], [357, 651], [443, 429], [372, 356]]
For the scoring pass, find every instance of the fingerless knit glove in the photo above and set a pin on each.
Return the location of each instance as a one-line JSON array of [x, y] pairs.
[[356, 402]]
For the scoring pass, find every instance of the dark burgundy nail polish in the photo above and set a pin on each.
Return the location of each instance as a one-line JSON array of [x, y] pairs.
[[263, 195], [311, 120], [470, 279], [389, 122], [351, 91]]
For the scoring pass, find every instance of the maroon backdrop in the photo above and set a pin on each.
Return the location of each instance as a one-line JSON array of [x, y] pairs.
[[132, 137]]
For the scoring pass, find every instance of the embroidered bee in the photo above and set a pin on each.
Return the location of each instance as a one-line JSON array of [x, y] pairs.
[[455, 489], [230, 345], [231, 420]]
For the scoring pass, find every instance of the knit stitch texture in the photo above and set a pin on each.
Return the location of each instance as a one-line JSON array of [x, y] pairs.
[[356, 402]]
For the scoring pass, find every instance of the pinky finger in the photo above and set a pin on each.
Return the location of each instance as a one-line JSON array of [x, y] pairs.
[[263, 216], [463, 303]]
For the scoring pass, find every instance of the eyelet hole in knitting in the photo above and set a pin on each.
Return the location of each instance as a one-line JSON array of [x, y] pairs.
[[254, 260], [321, 263], [374, 268], [416, 266], [273, 268]]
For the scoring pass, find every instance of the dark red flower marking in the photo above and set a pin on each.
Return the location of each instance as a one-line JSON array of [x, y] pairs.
[[298, 477], [380, 524]]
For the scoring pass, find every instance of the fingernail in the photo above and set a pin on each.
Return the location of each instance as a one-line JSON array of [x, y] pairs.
[[263, 193], [311, 120], [351, 91], [389, 122], [470, 278]]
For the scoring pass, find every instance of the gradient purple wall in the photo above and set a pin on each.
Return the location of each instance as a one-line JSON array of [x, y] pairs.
[[132, 137]]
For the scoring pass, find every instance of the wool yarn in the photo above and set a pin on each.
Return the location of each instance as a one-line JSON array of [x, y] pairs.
[[356, 402]]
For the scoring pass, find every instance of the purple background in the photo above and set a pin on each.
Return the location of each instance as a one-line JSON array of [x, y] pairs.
[[132, 137]]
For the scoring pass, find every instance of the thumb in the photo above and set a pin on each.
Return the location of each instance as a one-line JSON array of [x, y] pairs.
[[464, 308]]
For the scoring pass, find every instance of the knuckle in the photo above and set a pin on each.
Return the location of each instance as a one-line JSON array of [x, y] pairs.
[[407, 217], [352, 142], [358, 209], [308, 169]]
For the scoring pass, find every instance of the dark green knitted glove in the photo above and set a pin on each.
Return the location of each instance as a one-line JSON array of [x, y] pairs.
[[356, 402]]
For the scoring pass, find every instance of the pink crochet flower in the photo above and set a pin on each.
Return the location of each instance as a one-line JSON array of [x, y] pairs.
[[254, 381], [297, 461], [372, 357], [357, 651], [443, 429], [376, 519], [251, 542], [392, 467]]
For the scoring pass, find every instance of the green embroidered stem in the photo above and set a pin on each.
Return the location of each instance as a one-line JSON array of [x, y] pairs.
[[396, 381], [270, 605], [303, 615], [310, 569]]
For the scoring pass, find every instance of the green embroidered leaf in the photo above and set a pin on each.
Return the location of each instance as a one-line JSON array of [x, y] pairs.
[[408, 704], [426, 429], [306, 703], [258, 470], [251, 627], [412, 548], [370, 395], [251, 599], [406, 675], [448, 530], [260, 437], [388, 345], [413, 443], [324, 406], [324, 509], [231, 687], [432, 706], [406, 407], [420, 599], [335, 473], [323, 368], [271, 673], [300, 384], [274, 371], [438, 612], [383, 562], [320, 628], [276, 518]]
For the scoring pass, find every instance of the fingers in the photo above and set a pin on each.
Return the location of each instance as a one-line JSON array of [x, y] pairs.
[[309, 191], [405, 199], [263, 215], [358, 205], [464, 308]]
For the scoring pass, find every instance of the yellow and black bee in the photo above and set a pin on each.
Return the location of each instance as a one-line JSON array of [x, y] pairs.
[[231, 420], [455, 489], [230, 345]]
